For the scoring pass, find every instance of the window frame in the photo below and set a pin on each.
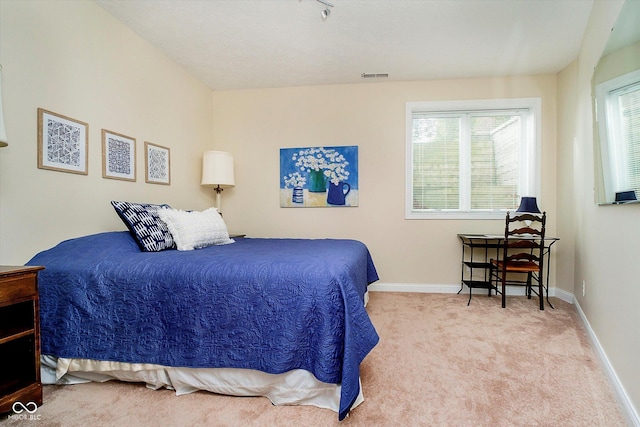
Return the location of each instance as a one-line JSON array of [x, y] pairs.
[[531, 152], [606, 112]]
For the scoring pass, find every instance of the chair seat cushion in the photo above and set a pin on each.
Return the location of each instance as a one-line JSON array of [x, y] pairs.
[[518, 266]]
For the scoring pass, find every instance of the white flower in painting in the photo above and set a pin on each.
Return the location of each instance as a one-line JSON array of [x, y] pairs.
[[311, 159], [329, 161], [294, 180]]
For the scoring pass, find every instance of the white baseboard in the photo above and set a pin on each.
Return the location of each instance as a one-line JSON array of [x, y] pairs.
[[414, 287], [629, 410], [562, 294], [453, 289]]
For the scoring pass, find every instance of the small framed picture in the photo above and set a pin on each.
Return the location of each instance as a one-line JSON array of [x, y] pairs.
[[157, 164], [62, 143], [118, 156]]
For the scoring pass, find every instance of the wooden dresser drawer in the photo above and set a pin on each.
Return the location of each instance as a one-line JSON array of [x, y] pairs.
[[13, 288]]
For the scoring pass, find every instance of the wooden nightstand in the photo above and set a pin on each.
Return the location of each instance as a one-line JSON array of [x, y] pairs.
[[19, 337]]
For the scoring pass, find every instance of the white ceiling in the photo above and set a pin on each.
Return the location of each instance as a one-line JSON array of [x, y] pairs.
[[242, 44]]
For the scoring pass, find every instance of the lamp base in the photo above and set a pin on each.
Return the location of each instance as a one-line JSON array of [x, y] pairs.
[[218, 191]]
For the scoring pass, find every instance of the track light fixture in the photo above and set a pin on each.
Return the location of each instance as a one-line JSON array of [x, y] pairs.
[[326, 12]]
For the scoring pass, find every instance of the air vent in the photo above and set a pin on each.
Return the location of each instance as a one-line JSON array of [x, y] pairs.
[[374, 75]]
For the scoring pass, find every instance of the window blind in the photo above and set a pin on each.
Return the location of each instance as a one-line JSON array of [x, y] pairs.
[[629, 103], [466, 160], [436, 162]]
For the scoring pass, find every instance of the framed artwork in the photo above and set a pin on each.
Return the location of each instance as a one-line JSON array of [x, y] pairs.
[[157, 164], [62, 143], [118, 156], [319, 177]]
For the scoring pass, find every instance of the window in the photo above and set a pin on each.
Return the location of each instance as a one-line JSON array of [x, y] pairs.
[[471, 159], [618, 115]]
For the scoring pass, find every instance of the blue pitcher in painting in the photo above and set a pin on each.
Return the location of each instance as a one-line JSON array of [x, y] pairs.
[[338, 193]]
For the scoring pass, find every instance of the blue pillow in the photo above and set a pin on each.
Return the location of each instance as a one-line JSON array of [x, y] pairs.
[[144, 224]]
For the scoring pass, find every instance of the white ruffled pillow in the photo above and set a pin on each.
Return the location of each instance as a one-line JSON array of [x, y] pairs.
[[192, 229]]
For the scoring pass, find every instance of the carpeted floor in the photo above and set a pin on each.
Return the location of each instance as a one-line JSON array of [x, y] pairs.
[[439, 363]]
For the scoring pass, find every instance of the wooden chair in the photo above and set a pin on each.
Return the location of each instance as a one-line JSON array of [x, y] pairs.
[[523, 253]]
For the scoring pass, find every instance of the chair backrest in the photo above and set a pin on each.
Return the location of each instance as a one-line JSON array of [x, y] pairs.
[[524, 243]]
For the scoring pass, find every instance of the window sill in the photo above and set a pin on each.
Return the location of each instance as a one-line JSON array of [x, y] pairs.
[[634, 202], [456, 215]]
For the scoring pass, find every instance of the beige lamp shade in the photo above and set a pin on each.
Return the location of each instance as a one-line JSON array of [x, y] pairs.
[[217, 169], [3, 132]]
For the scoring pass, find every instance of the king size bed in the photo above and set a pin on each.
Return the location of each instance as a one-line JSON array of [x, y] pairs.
[[281, 318]]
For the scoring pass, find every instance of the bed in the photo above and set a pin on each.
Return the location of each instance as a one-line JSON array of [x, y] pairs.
[[281, 318]]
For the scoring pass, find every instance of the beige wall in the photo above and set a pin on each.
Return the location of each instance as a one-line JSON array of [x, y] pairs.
[[606, 238], [617, 63], [72, 58], [255, 124]]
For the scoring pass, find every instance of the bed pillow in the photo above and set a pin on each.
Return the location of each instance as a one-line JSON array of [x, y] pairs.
[[193, 229], [151, 233]]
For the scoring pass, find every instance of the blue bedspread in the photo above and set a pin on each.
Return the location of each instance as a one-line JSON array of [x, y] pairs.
[[268, 304]]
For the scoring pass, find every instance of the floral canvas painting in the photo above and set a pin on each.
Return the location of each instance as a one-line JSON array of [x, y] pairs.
[[319, 176]]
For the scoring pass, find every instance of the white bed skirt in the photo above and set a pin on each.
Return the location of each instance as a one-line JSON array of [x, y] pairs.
[[296, 387]]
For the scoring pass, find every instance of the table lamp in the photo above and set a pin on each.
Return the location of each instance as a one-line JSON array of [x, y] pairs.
[[217, 171], [529, 205], [626, 196]]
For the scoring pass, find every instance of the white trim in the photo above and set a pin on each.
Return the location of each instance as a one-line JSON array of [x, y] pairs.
[[455, 214], [532, 127], [562, 294], [629, 410], [453, 289], [414, 287]]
